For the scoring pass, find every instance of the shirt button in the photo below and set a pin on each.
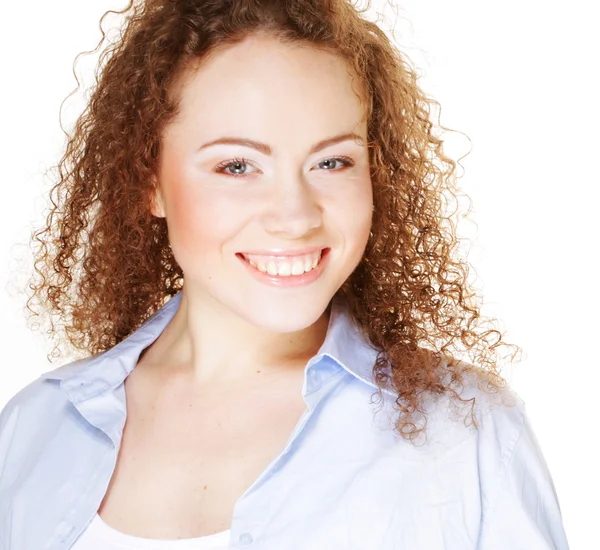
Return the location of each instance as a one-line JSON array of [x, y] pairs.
[[245, 538]]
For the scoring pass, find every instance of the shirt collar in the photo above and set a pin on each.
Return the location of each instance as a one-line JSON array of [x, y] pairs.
[[91, 375]]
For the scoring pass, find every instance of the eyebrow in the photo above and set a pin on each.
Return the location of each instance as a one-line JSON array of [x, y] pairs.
[[266, 149]]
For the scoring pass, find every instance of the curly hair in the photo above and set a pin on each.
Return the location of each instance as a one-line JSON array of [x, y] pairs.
[[104, 264]]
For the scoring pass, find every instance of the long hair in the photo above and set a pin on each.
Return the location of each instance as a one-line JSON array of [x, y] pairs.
[[103, 262]]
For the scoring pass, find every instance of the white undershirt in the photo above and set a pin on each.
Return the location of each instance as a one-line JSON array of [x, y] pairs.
[[101, 536]]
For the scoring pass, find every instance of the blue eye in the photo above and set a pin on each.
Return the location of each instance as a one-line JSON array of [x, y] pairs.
[[239, 163], [344, 160]]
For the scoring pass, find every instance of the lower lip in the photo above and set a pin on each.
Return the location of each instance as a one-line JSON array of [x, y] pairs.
[[291, 280]]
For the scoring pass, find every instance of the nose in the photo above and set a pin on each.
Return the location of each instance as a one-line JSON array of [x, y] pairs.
[[293, 209]]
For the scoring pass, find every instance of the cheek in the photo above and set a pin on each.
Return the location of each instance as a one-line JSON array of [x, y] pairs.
[[355, 214], [200, 223], [359, 228]]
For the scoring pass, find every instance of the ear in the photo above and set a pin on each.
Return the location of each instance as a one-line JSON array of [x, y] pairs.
[[157, 204]]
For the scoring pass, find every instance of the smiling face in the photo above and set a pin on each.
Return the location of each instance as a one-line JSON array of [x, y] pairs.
[[294, 186]]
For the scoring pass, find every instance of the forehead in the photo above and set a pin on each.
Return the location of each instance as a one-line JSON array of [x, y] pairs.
[[261, 83]]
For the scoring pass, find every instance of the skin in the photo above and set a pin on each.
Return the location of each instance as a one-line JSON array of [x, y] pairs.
[[231, 329]]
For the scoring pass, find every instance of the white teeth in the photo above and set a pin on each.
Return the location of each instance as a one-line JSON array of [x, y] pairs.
[[298, 267], [272, 268], [284, 266]]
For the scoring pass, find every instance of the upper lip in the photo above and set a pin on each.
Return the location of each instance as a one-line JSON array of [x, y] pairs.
[[284, 251]]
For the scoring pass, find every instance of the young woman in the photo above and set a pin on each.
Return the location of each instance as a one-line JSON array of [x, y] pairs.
[[248, 242]]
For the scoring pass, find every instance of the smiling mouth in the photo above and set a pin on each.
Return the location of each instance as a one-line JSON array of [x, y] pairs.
[[285, 266]]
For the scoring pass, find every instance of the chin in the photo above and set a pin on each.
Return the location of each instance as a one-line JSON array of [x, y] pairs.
[[281, 317]]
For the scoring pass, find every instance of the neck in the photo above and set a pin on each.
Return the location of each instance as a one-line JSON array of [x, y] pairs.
[[207, 344]]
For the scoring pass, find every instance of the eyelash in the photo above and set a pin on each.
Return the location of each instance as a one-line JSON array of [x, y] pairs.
[[348, 163]]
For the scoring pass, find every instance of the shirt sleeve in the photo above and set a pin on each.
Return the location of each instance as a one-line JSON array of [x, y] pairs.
[[11, 420], [526, 513], [8, 420]]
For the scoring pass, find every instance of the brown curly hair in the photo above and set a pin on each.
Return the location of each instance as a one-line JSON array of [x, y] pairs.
[[104, 261]]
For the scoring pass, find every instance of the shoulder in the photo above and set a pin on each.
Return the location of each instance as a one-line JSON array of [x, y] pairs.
[[519, 503], [37, 395], [517, 490], [42, 394], [28, 416], [499, 412], [473, 412], [18, 414], [32, 402], [23, 402], [520, 506], [501, 418]]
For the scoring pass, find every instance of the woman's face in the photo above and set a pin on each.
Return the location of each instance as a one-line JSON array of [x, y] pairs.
[[224, 201]]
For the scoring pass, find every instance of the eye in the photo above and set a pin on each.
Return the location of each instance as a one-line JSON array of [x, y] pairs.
[[344, 160], [239, 164], [236, 163]]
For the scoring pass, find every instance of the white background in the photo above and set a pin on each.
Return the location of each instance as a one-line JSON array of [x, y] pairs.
[[519, 78]]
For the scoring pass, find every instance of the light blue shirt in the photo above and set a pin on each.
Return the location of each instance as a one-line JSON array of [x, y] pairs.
[[345, 480]]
